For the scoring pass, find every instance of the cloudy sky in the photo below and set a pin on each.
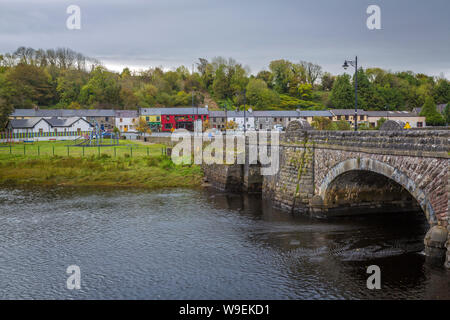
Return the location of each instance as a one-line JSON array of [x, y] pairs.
[[415, 34]]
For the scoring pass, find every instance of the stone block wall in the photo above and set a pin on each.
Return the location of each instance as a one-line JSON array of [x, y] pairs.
[[224, 177], [293, 186]]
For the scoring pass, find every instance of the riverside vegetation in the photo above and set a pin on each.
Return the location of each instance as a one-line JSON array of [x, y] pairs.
[[155, 170]]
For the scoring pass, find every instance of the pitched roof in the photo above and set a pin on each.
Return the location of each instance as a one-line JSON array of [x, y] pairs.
[[126, 113], [276, 113], [63, 113], [24, 123], [215, 114], [55, 122], [173, 111], [347, 112], [316, 113], [386, 114]]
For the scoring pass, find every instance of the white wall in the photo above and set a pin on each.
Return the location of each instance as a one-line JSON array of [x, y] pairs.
[[250, 120], [40, 125], [131, 125]]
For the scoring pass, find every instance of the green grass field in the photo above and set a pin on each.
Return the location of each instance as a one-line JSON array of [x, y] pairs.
[[130, 164], [126, 148]]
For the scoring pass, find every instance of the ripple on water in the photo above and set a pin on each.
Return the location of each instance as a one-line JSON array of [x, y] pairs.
[[200, 245]]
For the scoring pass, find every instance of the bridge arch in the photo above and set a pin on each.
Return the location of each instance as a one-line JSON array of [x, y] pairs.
[[380, 168]]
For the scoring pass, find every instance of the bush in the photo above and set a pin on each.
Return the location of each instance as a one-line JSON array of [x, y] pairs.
[[343, 125]]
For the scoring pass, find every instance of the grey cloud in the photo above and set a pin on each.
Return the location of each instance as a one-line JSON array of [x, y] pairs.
[[415, 35]]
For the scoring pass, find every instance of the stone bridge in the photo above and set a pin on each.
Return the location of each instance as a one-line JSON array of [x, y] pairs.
[[334, 173]]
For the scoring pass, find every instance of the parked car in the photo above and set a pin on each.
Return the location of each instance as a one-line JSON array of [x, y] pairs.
[[278, 127]]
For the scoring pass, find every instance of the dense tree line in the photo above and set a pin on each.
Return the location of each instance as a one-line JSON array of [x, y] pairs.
[[63, 78]]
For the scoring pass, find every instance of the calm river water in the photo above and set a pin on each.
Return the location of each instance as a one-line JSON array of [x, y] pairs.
[[202, 244]]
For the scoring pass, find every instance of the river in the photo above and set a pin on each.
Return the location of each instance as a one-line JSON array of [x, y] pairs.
[[202, 244]]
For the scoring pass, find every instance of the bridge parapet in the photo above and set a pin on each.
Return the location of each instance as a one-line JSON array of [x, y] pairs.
[[407, 142]]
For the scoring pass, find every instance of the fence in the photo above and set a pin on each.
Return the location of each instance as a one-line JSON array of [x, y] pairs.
[[81, 151], [32, 135]]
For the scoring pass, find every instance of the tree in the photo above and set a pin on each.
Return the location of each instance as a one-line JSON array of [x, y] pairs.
[[442, 91], [220, 85], [429, 111], [447, 113], [69, 85], [231, 125], [327, 81], [101, 89], [342, 95], [313, 71], [6, 104], [305, 91], [142, 126], [281, 75], [343, 125], [380, 123], [206, 125], [321, 123], [147, 96], [31, 85], [259, 96]]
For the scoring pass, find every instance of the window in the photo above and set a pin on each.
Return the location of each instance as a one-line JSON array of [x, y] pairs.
[[346, 118], [260, 126], [168, 126], [41, 130], [106, 119], [158, 119], [147, 119], [419, 124], [361, 118], [121, 120]]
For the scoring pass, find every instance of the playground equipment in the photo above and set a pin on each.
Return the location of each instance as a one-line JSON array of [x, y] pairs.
[[95, 138]]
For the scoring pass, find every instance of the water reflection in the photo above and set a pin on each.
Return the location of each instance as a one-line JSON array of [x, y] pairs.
[[202, 244]]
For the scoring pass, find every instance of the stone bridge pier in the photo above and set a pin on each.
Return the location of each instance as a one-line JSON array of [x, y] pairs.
[[335, 173]]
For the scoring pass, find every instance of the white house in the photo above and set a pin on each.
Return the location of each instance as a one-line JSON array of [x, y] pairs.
[[28, 126], [127, 120], [70, 125], [238, 118], [41, 129]]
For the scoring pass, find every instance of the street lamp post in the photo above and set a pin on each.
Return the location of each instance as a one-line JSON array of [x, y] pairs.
[[345, 66], [245, 102]]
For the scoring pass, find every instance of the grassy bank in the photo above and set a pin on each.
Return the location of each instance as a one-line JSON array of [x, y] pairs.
[[155, 171], [68, 149]]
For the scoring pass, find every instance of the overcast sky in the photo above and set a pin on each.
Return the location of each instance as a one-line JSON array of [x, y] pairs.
[[415, 35]]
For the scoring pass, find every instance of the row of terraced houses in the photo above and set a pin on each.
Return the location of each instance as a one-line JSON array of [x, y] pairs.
[[61, 122]]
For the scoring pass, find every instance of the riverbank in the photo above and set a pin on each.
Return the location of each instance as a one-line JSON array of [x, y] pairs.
[[154, 171]]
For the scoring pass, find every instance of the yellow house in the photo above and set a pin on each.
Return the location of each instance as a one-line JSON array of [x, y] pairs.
[[152, 116], [413, 119], [349, 115]]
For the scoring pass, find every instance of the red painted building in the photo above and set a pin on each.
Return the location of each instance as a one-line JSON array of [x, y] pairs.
[[181, 118]]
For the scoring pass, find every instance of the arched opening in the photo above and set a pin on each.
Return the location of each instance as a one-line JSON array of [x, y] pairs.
[[364, 192], [353, 183], [364, 186]]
